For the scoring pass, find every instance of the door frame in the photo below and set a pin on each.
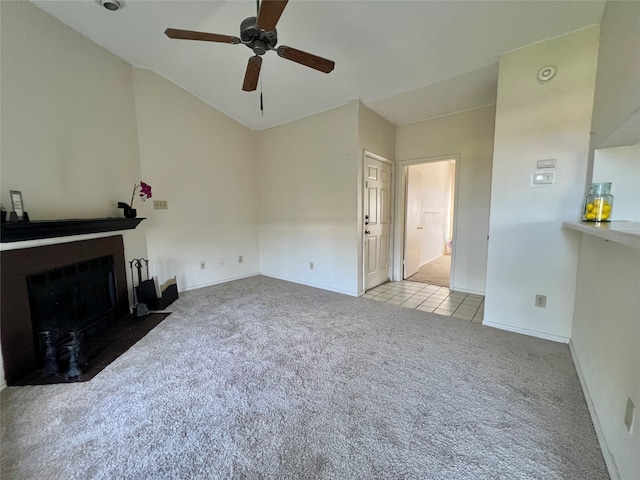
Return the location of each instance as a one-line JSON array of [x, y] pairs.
[[361, 236], [400, 204]]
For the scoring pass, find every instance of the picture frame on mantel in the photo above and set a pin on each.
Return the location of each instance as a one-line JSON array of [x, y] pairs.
[[18, 214]]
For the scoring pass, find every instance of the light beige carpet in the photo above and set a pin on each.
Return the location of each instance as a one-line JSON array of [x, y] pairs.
[[265, 379], [436, 272]]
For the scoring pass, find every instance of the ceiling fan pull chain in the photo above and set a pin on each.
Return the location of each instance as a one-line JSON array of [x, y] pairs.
[[261, 103]]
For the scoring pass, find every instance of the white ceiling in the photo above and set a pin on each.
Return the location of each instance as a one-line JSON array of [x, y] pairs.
[[407, 60]]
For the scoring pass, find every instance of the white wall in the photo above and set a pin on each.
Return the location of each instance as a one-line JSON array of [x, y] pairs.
[[529, 253], [621, 167], [469, 134], [307, 183], [617, 91], [69, 139], [376, 136], [60, 94], [605, 342], [435, 208], [204, 165]]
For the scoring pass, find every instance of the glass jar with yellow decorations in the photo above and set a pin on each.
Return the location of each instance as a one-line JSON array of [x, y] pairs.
[[598, 206]]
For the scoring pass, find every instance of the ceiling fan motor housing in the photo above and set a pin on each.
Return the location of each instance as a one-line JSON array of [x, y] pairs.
[[256, 39]]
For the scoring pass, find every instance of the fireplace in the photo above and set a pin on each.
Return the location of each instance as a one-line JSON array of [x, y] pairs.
[[72, 300], [63, 288]]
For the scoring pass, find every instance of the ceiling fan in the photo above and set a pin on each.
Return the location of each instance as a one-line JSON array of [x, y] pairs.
[[260, 35]]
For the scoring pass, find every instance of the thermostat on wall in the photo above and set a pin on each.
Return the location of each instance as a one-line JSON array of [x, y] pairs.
[[543, 178]]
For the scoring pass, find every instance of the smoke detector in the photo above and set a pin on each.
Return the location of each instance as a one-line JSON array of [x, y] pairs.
[[112, 5], [546, 73]]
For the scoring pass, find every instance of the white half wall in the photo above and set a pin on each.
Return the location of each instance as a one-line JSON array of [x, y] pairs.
[[605, 344], [529, 253], [469, 134], [204, 165], [307, 184]]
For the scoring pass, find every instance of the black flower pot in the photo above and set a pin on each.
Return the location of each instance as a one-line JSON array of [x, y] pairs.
[[130, 212]]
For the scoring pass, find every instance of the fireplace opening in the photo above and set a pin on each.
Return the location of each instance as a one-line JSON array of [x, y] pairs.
[[71, 303]]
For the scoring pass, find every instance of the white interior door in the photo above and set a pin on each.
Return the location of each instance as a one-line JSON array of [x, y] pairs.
[[377, 221], [413, 223]]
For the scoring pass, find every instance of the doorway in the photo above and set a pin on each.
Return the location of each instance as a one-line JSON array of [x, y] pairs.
[[429, 222], [378, 190]]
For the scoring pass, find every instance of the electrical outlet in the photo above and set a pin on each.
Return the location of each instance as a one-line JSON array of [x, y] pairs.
[[203, 265], [160, 205], [629, 413], [221, 262], [541, 301], [310, 265], [240, 259]]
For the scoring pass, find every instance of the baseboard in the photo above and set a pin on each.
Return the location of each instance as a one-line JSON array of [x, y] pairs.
[[351, 293], [468, 290], [217, 282], [429, 261], [612, 467], [526, 331]]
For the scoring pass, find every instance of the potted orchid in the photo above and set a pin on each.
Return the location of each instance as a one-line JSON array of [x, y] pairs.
[[145, 192]]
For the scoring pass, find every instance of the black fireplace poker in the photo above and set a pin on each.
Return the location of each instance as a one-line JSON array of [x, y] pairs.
[[139, 309]]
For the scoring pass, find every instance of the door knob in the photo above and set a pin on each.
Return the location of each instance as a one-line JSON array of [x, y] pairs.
[[367, 232]]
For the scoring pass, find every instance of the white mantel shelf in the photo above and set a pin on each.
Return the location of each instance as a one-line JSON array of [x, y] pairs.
[[625, 233]]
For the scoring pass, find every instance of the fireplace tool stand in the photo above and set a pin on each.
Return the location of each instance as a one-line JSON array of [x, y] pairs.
[[140, 309], [145, 295]]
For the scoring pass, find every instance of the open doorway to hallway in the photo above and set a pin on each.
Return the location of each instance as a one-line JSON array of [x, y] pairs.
[[429, 222]]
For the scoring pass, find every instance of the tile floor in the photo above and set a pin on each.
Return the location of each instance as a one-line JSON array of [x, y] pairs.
[[430, 298]]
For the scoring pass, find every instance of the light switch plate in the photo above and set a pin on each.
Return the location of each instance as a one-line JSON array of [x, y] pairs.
[[160, 205], [549, 163]]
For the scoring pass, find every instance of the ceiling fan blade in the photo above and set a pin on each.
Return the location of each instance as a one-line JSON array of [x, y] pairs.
[[206, 37], [306, 59], [252, 74], [269, 13]]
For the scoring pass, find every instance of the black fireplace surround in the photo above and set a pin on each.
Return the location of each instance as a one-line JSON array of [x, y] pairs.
[[62, 288]]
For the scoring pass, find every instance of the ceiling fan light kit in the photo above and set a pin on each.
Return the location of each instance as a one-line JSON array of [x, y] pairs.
[[260, 35]]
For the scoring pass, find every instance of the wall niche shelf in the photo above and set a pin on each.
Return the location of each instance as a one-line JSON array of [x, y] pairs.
[[36, 230], [624, 233]]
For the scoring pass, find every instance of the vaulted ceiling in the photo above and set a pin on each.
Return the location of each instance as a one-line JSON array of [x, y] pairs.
[[406, 60]]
